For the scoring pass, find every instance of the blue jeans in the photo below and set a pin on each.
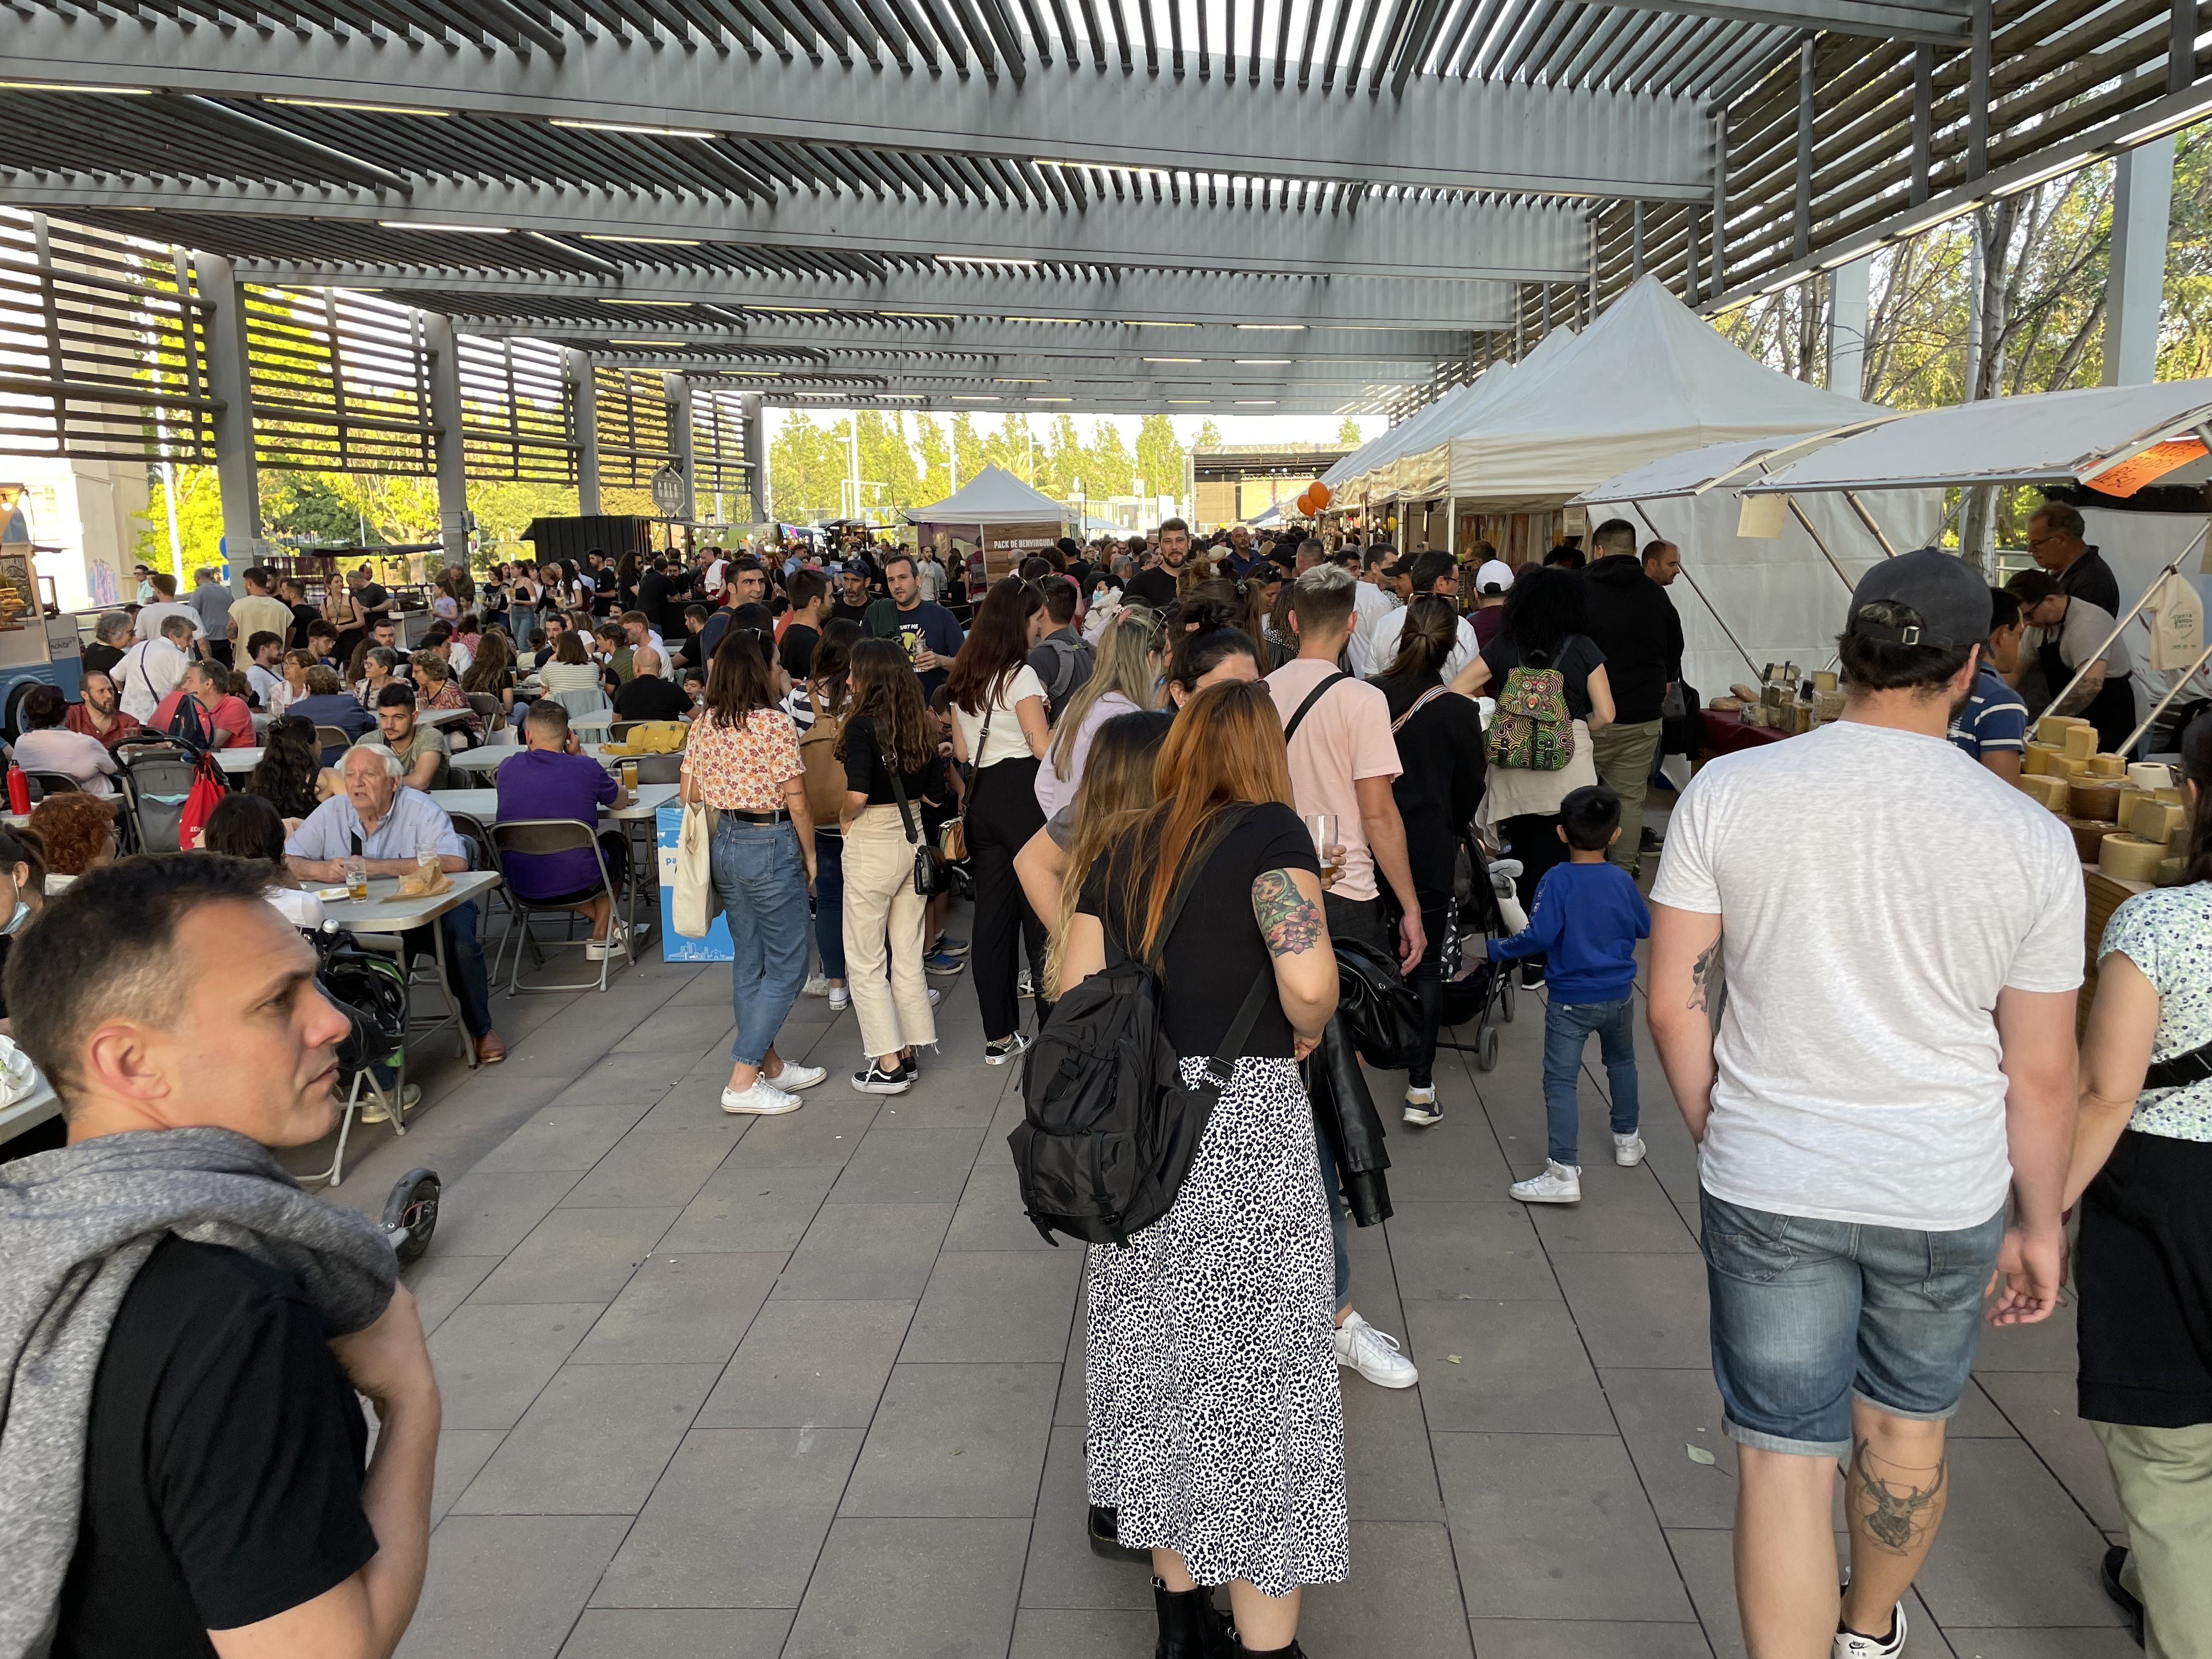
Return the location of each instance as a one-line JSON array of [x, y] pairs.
[[1567, 1026], [464, 964], [829, 902], [1806, 1314], [761, 883]]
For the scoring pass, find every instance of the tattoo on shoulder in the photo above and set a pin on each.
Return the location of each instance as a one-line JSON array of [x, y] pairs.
[[1290, 921], [1709, 981]]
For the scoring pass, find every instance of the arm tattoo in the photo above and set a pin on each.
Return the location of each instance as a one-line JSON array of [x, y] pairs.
[[1891, 1504], [1709, 981], [1288, 919]]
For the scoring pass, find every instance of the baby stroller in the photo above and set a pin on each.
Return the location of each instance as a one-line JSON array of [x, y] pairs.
[[370, 989], [1475, 989]]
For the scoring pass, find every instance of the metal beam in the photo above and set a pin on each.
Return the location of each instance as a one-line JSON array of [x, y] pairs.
[[230, 383], [2142, 208], [584, 410], [1438, 132], [1400, 236], [451, 450], [824, 338], [1903, 20], [1849, 288], [1228, 297], [1259, 374]]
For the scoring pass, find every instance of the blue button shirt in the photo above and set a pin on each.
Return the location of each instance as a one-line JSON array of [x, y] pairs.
[[415, 822], [1994, 720]]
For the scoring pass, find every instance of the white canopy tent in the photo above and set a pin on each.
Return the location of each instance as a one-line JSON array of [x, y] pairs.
[[2115, 438], [993, 496], [1752, 599]]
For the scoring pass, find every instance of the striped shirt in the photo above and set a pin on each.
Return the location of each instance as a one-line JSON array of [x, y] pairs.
[[1994, 720]]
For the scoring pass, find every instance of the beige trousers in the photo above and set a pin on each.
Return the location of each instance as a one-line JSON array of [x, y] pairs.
[[885, 916]]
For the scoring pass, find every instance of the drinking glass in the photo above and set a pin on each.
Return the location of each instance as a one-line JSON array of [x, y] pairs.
[[1322, 827], [356, 875]]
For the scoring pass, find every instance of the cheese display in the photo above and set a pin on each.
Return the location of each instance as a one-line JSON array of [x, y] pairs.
[[2089, 837], [2130, 858], [2053, 792], [2036, 760], [2053, 728], [2158, 821], [2079, 742], [2107, 766], [2097, 798], [2070, 766]]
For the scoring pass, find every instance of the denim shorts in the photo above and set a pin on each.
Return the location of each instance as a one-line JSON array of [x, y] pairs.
[[1808, 1314]]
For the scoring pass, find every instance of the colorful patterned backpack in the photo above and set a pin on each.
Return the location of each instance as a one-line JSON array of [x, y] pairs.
[[1531, 731]]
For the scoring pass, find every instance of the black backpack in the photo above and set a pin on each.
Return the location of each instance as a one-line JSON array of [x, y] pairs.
[[189, 726], [1109, 1130]]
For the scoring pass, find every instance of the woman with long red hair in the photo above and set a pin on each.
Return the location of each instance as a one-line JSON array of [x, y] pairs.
[[1215, 1430]]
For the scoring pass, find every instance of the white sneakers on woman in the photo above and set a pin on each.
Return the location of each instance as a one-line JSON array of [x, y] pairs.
[[768, 1098], [1374, 1354]]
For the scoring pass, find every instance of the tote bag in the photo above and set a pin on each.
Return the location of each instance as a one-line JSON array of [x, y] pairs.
[[697, 903]]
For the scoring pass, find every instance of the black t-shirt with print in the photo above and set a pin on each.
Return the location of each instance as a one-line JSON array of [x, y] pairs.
[[1216, 951], [223, 1461]]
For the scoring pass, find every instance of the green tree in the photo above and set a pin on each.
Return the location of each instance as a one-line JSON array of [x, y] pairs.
[[1159, 456], [1348, 434]]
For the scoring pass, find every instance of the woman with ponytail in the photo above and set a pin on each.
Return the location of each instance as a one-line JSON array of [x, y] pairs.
[[1437, 790], [2142, 1172]]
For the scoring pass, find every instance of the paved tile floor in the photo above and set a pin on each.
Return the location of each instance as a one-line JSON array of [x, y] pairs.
[[811, 1387]]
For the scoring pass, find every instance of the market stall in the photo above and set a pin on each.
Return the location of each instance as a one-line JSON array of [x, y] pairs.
[[2108, 442], [995, 515], [1767, 586]]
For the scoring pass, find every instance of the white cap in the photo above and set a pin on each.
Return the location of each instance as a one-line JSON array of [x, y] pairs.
[[1495, 576]]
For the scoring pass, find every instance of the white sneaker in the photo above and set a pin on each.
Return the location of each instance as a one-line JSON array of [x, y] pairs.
[[1851, 1645], [615, 944], [1374, 1354], [1421, 1107], [817, 985], [1005, 1048], [841, 997], [1628, 1150], [1560, 1183], [934, 993], [763, 1099], [794, 1077], [1024, 984]]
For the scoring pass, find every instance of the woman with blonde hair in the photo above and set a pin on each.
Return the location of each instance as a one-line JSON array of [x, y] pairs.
[[1116, 785], [1125, 678], [1215, 1427]]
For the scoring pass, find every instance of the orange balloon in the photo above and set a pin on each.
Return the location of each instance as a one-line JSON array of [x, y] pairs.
[[1320, 492], [1304, 503]]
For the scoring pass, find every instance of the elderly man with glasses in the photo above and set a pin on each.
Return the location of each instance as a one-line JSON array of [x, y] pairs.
[[385, 824]]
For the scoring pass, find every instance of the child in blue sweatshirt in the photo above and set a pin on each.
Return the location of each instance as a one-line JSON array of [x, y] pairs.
[[1586, 920]]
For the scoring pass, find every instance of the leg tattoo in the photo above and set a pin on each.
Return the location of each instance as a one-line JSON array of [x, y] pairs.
[[1897, 1504]]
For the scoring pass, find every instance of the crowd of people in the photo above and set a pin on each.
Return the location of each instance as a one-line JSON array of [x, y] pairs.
[[1254, 767]]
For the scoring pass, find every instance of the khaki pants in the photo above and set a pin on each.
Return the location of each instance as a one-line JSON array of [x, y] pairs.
[[882, 909], [1623, 754], [2164, 1478]]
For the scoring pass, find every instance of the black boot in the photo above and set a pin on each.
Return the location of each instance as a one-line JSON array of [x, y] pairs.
[[1293, 1651], [1191, 1626]]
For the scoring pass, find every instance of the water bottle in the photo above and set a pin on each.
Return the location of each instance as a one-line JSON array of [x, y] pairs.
[[19, 790]]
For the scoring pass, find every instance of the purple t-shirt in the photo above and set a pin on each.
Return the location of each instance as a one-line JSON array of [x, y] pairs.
[[540, 783]]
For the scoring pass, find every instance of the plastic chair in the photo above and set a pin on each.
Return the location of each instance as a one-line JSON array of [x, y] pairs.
[[328, 737], [541, 835], [488, 709], [583, 700], [55, 783]]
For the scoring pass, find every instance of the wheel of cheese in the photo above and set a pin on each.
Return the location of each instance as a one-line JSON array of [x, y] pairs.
[[2080, 741], [2130, 858], [2096, 798], [2089, 837], [2052, 728], [2053, 792], [2107, 766], [2158, 821], [2036, 762]]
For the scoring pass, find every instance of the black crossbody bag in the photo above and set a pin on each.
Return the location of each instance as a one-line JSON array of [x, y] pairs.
[[930, 877]]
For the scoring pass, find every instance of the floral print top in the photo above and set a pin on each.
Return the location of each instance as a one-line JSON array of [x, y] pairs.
[[2167, 933], [744, 768]]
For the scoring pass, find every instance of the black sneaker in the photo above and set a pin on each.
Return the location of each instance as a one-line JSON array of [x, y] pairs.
[[1004, 1049], [2115, 1558], [874, 1080], [1532, 977]]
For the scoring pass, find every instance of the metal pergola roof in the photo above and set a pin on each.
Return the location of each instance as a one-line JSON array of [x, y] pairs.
[[1117, 204]]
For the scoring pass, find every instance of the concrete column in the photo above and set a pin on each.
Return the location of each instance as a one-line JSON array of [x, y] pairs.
[[1849, 315], [584, 409], [756, 455], [2142, 208], [680, 440], [231, 384], [1635, 242], [451, 448]]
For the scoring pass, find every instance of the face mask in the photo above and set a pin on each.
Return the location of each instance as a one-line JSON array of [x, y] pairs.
[[14, 921]]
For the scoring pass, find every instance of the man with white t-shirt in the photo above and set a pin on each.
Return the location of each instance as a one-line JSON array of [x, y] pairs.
[[1892, 1052]]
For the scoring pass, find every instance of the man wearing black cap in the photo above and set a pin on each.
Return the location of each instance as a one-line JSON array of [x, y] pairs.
[[1885, 1073]]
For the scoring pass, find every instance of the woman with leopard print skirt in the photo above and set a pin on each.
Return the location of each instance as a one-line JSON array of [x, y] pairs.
[[1215, 1426]]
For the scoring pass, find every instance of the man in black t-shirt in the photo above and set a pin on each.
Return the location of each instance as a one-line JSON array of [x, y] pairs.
[[222, 1490], [304, 616], [648, 695], [853, 598], [2054, 542], [809, 609], [1156, 585]]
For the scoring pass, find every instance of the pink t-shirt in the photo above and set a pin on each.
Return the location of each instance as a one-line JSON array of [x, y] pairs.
[[1345, 738]]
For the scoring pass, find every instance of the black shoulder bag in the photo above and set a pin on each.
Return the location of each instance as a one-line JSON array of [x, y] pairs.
[[929, 872]]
